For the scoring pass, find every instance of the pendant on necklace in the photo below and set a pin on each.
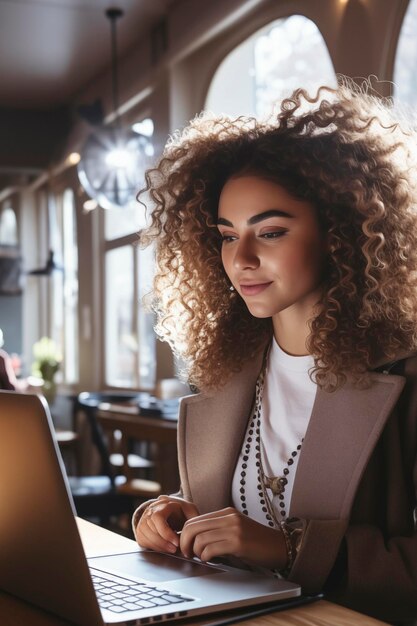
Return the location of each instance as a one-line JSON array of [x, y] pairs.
[[276, 484]]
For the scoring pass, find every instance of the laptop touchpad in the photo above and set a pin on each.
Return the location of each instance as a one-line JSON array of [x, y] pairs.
[[153, 566]]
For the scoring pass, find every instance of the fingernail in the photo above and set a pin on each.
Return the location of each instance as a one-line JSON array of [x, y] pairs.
[[172, 548]]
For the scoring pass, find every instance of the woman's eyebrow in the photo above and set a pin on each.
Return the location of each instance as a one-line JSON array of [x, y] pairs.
[[257, 218]]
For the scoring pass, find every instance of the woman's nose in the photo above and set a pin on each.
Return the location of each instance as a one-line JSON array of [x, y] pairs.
[[245, 256]]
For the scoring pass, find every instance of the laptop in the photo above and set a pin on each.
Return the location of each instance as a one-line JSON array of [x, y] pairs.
[[42, 559]]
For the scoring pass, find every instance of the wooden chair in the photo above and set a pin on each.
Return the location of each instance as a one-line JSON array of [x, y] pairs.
[[68, 441], [63, 417], [133, 486], [103, 496], [160, 433]]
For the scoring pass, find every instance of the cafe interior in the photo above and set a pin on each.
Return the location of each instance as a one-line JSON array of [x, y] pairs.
[[90, 91]]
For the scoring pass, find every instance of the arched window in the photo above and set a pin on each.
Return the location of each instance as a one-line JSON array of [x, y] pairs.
[[129, 341], [405, 75], [8, 228], [286, 54]]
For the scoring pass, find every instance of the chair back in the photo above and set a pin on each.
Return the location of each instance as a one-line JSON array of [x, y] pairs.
[[89, 401]]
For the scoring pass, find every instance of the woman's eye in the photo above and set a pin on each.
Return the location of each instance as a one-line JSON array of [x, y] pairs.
[[273, 234], [228, 238]]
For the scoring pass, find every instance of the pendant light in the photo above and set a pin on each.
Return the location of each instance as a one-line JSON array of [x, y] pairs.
[[114, 158]]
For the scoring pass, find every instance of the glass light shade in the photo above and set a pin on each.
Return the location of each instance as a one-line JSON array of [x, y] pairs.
[[113, 164]]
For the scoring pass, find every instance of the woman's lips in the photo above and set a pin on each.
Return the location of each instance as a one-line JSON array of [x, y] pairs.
[[253, 290]]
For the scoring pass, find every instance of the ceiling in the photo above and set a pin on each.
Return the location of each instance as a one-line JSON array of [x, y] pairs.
[[51, 49]]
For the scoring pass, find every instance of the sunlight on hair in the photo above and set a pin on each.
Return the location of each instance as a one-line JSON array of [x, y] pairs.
[[348, 149]]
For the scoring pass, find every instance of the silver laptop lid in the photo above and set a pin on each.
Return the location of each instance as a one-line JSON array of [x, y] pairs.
[[36, 510]]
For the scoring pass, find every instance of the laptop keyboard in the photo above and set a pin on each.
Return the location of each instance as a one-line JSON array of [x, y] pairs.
[[120, 594]]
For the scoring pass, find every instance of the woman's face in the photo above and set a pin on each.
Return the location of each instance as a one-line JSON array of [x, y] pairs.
[[273, 249]]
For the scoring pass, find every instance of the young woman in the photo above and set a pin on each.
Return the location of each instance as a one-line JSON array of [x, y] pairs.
[[287, 281]]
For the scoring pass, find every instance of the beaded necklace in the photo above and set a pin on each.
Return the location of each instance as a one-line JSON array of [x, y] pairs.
[[275, 484]]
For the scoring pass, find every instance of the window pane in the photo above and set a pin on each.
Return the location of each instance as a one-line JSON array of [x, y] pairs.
[[63, 285], [70, 289], [405, 75], [121, 343], [57, 312], [286, 54], [120, 222], [56, 278], [55, 228], [147, 338], [8, 228]]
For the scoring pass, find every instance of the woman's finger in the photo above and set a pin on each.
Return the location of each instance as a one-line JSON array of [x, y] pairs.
[[216, 549], [204, 543], [157, 527], [197, 526], [148, 537], [159, 520]]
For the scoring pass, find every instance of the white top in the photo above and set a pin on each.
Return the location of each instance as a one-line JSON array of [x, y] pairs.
[[287, 402]]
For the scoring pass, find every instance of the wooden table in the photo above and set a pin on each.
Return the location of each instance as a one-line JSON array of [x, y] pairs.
[[162, 432], [99, 542]]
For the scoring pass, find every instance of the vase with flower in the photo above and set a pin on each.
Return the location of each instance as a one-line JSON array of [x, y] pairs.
[[47, 363]]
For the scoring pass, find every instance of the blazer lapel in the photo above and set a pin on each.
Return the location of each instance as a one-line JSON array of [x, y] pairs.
[[211, 431], [343, 430]]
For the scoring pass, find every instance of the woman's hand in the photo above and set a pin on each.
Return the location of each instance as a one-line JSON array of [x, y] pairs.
[[230, 533], [160, 520]]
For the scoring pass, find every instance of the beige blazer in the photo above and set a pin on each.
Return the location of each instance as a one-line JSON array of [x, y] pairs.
[[355, 486]]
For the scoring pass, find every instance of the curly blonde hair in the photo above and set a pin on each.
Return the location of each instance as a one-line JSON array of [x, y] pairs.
[[346, 153]]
